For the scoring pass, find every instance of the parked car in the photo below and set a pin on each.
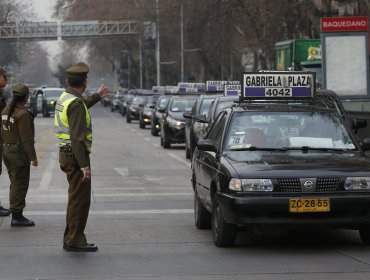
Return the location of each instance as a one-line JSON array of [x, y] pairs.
[[43, 100], [173, 121], [192, 126], [161, 104], [147, 111]]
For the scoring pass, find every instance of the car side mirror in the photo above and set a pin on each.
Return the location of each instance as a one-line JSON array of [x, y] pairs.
[[359, 123], [188, 115], [201, 118], [206, 145], [365, 144]]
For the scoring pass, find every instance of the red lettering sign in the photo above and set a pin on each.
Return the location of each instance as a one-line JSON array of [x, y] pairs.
[[344, 24]]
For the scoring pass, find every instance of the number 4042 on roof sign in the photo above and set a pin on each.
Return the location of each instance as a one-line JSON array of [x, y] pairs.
[[278, 85]]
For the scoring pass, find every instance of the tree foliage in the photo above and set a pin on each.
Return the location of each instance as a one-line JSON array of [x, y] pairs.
[[222, 38]]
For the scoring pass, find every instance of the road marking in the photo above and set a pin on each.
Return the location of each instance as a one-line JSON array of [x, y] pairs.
[[122, 171], [48, 173], [156, 145], [179, 159], [147, 139], [115, 212], [152, 194], [133, 130]]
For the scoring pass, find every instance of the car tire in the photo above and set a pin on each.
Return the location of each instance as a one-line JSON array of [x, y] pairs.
[[112, 109], [166, 143], [34, 113], [187, 152], [161, 141], [128, 119], [202, 217], [223, 233], [45, 113], [141, 124], [365, 234]]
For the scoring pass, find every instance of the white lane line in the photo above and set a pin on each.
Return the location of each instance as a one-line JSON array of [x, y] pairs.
[[48, 173], [147, 139], [156, 145], [133, 130], [143, 194], [179, 159], [152, 194], [122, 171], [115, 212]]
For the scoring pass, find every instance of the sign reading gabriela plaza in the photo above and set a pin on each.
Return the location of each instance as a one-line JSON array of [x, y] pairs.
[[279, 85]]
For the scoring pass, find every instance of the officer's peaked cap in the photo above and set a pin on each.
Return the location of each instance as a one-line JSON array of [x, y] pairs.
[[4, 73], [78, 70], [20, 90]]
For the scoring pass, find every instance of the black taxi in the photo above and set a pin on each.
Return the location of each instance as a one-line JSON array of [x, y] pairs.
[[282, 156]]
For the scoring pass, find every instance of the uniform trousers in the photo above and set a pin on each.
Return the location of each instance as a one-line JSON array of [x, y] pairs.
[[18, 167], [79, 198]]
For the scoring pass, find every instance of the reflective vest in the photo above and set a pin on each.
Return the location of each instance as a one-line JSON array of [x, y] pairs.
[[61, 124]]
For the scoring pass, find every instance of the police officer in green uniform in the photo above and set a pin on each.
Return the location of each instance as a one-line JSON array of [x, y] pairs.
[[18, 134], [74, 132], [3, 82]]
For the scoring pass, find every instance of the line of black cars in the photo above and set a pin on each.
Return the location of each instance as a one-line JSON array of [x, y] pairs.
[[278, 157]]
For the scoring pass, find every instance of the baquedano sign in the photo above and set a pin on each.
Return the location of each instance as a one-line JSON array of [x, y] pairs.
[[344, 24]]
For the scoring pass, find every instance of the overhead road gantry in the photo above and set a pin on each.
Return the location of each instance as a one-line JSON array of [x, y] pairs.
[[26, 30]]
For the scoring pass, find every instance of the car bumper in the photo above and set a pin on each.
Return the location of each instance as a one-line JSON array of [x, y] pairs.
[[346, 210], [176, 135]]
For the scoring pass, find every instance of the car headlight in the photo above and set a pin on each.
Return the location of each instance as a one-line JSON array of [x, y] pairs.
[[174, 123], [52, 102], [357, 183], [251, 185]]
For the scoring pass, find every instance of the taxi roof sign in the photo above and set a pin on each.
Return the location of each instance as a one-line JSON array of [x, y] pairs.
[[191, 87], [219, 85], [233, 90], [278, 85]]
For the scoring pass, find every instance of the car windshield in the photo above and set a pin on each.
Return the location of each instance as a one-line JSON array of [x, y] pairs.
[[222, 105], [138, 100], [204, 107], [287, 130], [151, 101], [162, 103], [182, 104], [52, 92]]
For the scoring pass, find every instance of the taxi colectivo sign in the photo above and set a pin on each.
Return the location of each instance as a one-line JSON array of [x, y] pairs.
[[278, 85]]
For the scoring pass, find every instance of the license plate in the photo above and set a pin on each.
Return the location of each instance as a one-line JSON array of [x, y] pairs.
[[303, 205]]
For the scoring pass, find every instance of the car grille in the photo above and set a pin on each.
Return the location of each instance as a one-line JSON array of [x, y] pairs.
[[294, 184]]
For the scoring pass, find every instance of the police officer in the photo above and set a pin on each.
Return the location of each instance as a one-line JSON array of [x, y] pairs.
[[74, 132], [3, 82], [18, 134]]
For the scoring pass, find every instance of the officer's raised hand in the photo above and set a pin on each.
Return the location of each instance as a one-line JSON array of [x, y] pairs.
[[86, 174], [103, 91]]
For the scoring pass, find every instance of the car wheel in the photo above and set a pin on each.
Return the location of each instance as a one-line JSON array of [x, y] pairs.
[[161, 141], [223, 233], [142, 124], [45, 113], [112, 108], [128, 119], [365, 234], [187, 152], [201, 216], [166, 143], [34, 112]]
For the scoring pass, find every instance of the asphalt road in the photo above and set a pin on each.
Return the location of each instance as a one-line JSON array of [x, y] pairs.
[[141, 218]]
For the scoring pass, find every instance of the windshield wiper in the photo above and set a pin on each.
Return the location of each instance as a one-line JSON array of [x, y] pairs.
[[307, 148], [254, 148]]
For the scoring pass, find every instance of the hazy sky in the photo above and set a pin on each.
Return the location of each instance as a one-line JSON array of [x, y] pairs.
[[44, 10]]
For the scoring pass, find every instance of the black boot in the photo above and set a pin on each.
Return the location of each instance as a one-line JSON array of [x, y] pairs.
[[4, 212], [18, 220]]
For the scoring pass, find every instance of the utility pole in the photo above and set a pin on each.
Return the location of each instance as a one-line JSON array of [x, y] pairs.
[[158, 51], [182, 40]]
